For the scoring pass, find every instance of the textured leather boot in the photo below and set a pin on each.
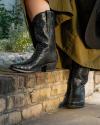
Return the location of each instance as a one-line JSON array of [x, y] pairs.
[[45, 56], [75, 97]]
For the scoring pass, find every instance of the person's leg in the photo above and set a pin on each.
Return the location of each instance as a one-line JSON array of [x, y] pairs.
[[43, 31], [34, 7]]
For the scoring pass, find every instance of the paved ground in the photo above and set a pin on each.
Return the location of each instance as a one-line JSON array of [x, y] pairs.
[[90, 115]]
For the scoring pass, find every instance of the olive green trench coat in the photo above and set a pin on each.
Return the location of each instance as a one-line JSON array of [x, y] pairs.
[[68, 37]]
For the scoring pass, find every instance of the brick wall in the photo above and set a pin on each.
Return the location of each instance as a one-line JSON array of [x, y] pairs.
[[23, 96]]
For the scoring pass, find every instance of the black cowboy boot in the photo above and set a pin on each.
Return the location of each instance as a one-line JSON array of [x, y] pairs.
[[75, 96], [45, 56]]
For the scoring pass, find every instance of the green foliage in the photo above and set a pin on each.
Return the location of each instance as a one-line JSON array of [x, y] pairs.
[[4, 45], [22, 44], [5, 21], [9, 17], [13, 31]]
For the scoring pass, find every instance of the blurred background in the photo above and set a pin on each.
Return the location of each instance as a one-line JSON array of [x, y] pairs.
[[14, 36]]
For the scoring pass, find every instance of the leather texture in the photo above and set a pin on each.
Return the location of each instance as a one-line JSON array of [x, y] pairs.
[[75, 96], [45, 56]]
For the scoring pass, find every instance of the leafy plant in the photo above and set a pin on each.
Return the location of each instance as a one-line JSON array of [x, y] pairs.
[[22, 44]]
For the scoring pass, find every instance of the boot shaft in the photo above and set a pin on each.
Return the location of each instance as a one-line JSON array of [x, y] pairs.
[[44, 34]]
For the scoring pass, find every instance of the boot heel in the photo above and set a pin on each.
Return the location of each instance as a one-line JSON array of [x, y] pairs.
[[49, 67]]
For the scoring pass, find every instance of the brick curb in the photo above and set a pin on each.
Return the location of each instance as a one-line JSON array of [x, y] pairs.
[[23, 96]]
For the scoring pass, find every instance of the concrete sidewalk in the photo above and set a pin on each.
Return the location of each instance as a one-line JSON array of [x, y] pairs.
[[90, 115]]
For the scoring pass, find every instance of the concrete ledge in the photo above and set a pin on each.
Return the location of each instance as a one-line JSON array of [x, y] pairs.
[[23, 96]]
